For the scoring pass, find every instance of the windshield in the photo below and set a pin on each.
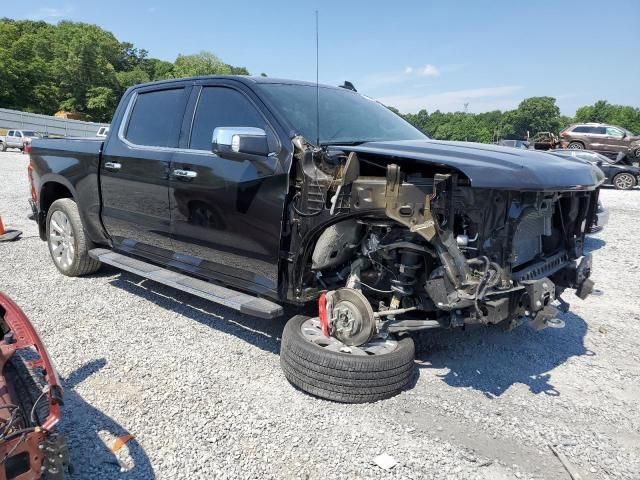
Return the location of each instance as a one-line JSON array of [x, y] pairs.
[[593, 157], [345, 116]]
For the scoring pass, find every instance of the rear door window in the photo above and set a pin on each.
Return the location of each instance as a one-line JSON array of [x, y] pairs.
[[156, 118], [598, 130], [222, 107]]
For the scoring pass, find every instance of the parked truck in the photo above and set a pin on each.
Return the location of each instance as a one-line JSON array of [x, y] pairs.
[[257, 193], [17, 139]]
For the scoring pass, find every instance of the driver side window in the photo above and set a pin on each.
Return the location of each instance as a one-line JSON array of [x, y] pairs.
[[614, 132], [222, 107]]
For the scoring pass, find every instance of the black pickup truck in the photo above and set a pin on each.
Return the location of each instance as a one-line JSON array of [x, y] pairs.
[[256, 192]]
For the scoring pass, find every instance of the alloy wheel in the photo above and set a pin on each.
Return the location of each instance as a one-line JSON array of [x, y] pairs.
[[61, 239]]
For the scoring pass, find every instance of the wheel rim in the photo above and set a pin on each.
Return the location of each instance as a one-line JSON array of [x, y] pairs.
[[61, 239], [575, 146], [624, 181], [312, 332]]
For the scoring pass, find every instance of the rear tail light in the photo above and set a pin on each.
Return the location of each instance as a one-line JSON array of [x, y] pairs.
[[34, 193], [564, 134]]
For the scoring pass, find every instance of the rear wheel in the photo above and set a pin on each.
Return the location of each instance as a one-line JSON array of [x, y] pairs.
[[576, 146], [624, 181], [327, 368], [68, 244]]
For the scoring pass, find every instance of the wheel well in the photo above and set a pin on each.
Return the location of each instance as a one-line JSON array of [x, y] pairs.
[[49, 193]]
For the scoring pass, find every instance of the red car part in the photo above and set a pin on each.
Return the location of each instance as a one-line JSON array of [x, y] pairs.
[[28, 451], [322, 314]]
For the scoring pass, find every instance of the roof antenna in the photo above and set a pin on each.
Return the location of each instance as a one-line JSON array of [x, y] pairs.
[[317, 86]]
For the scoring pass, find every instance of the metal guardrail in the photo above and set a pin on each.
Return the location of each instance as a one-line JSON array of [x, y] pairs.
[[10, 119]]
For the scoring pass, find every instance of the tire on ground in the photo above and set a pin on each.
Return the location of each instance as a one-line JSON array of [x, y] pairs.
[[343, 377], [82, 263]]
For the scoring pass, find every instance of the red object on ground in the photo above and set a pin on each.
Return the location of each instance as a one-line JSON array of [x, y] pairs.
[[322, 314], [28, 448], [8, 235]]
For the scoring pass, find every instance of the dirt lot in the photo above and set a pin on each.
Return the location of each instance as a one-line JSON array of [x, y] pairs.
[[200, 387]]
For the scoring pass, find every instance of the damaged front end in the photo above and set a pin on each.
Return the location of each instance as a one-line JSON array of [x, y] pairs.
[[398, 245], [30, 399]]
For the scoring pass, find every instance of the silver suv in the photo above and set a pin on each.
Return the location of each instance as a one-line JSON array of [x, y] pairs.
[[603, 138]]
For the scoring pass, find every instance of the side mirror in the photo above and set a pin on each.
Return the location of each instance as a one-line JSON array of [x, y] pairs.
[[599, 163], [237, 143]]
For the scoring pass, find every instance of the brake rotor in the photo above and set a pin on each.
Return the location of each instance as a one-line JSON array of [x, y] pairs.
[[352, 319]]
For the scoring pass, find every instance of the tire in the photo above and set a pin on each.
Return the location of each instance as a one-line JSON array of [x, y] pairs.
[[342, 377], [576, 146], [624, 181], [636, 154], [72, 242], [3, 147]]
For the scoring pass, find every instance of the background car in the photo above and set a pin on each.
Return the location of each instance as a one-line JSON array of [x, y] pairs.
[[599, 137], [621, 176], [17, 139], [514, 143]]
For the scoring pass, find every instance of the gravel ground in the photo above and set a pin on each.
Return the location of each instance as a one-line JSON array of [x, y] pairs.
[[200, 386]]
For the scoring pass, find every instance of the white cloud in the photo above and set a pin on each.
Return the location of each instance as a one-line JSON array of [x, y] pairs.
[[479, 99], [429, 71], [52, 12]]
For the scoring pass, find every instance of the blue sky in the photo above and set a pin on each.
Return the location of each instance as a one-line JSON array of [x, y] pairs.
[[409, 54]]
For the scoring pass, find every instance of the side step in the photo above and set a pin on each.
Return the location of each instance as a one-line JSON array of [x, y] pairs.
[[244, 303]]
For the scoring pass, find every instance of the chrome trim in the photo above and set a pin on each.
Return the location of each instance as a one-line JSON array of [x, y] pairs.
[[185, 173], [224, 135]]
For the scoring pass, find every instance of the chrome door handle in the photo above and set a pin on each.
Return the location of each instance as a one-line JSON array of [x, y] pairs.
[[185, 173], [113, 165]]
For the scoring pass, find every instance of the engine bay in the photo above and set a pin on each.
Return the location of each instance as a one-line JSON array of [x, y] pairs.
[[390, 246]]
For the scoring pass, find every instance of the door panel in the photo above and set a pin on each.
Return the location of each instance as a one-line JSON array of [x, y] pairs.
[[615, 140], [134, 173], [226, 218]]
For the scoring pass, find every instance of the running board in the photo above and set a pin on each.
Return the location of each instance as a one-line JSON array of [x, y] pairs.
[[242, 302]]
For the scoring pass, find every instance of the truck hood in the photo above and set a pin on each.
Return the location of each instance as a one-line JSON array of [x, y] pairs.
[[492, 166]]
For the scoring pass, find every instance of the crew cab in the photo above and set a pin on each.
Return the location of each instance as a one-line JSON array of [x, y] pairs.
[[258, 192]]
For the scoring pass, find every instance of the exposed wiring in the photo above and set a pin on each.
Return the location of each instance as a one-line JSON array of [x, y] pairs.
[[35, 404], [13, 449], [374, 289]]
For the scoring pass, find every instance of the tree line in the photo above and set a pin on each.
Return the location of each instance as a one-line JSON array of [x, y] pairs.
[[533, 115], [82, 68]]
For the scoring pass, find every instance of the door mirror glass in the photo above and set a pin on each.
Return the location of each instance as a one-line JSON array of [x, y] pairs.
[[238, 142]]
